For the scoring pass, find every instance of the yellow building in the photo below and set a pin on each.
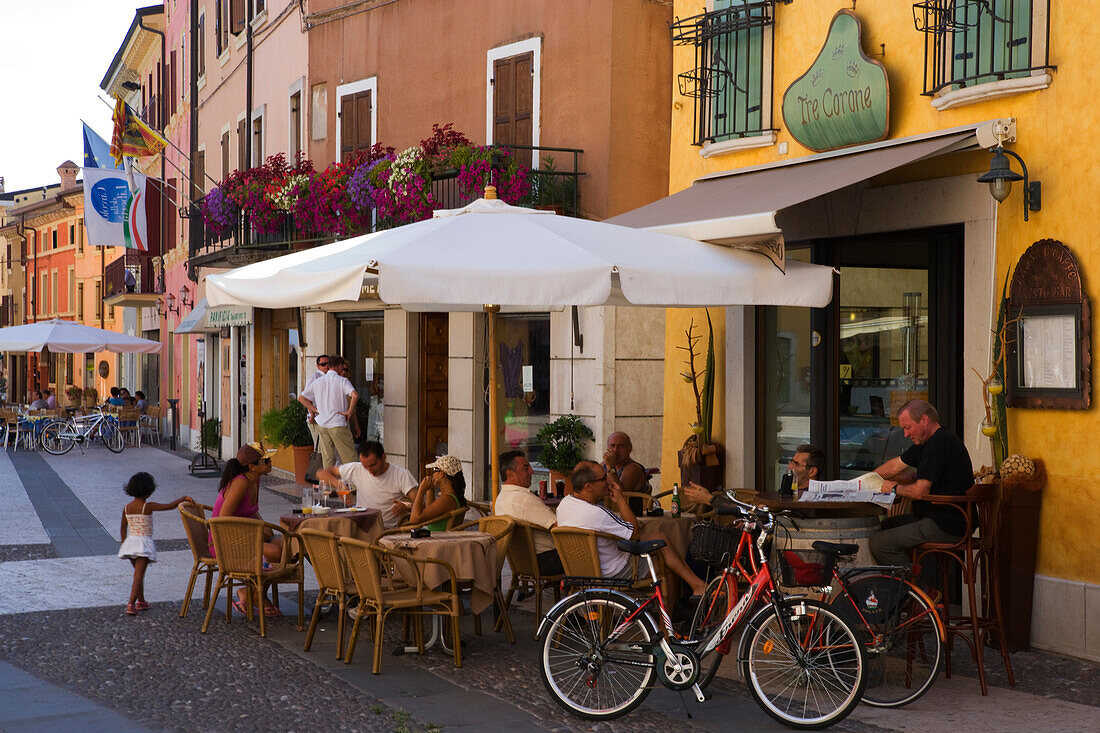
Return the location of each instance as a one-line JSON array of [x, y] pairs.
[[783, 130]]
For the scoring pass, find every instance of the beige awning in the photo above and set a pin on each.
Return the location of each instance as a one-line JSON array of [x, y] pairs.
[[738, 207]]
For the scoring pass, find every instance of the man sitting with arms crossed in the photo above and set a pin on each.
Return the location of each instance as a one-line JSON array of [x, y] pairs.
[[585, 509], [377, 483], [516, 500], [936, 463]]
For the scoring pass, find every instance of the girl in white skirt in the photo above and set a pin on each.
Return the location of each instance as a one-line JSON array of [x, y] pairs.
[[137, 534]]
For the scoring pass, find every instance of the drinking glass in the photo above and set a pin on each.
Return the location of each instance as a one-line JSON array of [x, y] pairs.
[[342, 490], [307, 500], [326, 492]]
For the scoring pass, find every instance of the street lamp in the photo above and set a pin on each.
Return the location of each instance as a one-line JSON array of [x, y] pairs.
[[168, 305], [1000, 177], [186, 300]]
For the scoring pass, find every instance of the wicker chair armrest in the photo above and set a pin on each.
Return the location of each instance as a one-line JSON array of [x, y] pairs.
[[415, 562], [288, 534], [464, 526]]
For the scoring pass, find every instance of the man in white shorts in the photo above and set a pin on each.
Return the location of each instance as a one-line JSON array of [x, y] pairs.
[[585, 509], [376, 483]]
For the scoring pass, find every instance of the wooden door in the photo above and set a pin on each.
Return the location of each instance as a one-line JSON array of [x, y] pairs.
[[433, 389], [513, 100], [355, 114]]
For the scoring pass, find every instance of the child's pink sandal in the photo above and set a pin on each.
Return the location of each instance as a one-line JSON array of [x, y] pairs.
[[130, 610], [141, 606]]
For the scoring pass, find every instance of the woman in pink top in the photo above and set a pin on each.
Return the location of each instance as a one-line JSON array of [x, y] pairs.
[[239, 496]]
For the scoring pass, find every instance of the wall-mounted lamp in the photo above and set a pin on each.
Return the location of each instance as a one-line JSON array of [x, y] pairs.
[[1000, 177], [168, 305], [186, 301]]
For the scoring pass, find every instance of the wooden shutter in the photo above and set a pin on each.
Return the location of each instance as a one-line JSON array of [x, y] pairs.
[[202, 45], [242, 144], [171, 216], [198, 186], [513, 100], [237, 13], [225, 155], [173, 69], [355, 115]]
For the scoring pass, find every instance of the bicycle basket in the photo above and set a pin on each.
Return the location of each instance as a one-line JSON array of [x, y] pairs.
[[806, 567], [713, 543]]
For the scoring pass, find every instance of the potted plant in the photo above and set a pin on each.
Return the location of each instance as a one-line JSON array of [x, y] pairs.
[[211, 435], [91, 397], [700, 458], [563, 447], [75, 395], [286, 428]]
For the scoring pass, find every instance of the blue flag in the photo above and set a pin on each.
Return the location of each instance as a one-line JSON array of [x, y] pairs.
[[97, 152]]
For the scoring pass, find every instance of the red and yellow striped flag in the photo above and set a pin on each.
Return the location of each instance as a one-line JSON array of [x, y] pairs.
[[132, 136]]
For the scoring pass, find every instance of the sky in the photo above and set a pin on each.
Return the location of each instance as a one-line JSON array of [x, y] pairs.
[[53, 54]]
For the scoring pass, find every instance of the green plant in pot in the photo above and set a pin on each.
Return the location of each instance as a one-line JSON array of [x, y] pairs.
[[563, 445], [286, 428], [700, 457], [211, 436]]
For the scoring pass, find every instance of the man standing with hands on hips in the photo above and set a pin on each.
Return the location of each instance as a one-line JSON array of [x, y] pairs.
[[937, 463]]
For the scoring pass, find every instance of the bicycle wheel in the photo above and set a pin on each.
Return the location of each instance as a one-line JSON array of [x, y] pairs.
[[111, 436], [817, 681], [713, 607], [584, 672], [904, 650], [55, 438]]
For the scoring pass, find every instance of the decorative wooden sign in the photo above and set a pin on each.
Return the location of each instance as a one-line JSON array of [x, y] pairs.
[[1049, 345], [843, 99]]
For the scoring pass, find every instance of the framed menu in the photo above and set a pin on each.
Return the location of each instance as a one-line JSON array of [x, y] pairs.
[[1049, 349]]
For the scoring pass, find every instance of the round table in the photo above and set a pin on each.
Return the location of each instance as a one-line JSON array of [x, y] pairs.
[[846, 522], [361, 524]]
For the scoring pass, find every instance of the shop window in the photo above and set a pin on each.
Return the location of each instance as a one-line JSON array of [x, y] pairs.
[[522, 358], [972, 42], [361, 342], [730, 79]]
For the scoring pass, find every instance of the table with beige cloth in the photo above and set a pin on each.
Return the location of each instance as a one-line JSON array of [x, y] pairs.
[[473, 555], [361, 524]]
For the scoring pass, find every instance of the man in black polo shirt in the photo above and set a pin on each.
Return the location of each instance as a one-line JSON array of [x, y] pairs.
[[936, 463]]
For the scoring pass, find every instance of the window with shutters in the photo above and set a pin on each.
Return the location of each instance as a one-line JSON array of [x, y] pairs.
[[221, 25], [225, 155], [512, 96], [202, 44], [237, 14], [72, 234], [99, 300], [355, 114], [295, 126], [242, 144], [258, 139], [80, 301], [973, 42], [730, 81], [80, 238]]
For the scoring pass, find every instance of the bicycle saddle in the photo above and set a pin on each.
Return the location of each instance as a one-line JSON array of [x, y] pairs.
[[638, 547], [840, 549]]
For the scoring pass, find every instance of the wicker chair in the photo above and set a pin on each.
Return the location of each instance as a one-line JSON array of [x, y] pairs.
[[150, 423], [197, 529], [369, 564], [580, 555], [483, 508], [525, 567], [129, 424], [453, 520], [502, 529], [328, 564], [238, 546]]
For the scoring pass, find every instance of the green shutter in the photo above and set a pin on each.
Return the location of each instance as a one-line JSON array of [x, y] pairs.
[[736, 63], [987, 48]]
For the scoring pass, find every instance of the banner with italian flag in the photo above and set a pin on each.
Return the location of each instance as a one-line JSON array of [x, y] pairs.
[[114, 208]]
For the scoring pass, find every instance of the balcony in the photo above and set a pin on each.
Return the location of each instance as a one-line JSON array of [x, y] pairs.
[[131, 281], [554, 185]]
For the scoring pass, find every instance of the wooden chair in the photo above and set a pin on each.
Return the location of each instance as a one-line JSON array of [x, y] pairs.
[[579, 553], [975, 555], [502, 529], [328, 565], [150, 423], [13, 431], [238, 547], [367, 564], [197, 529], [525, 567], [129, 425]]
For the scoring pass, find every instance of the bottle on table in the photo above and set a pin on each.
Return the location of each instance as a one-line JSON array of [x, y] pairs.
[[786, 486], [676, 500]]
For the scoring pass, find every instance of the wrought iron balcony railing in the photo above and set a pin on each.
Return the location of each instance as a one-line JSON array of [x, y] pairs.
[[971, 42], [133, 272]]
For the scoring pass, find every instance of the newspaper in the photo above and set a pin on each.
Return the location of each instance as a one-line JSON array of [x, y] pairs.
[[862, 488]]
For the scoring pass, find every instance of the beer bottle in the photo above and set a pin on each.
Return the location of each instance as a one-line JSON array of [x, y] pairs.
[[675, 500]]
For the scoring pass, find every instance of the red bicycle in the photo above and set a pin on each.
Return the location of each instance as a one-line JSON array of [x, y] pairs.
[[600, 649]]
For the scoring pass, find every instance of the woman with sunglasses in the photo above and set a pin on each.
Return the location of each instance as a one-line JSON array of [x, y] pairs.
[[442, 491], [239, 496]]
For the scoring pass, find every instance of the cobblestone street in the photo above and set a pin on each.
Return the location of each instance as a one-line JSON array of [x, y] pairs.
[[69, 652]]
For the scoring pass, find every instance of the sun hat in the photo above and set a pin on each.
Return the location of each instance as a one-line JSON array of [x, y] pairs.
[[252, 452], [449, 465]]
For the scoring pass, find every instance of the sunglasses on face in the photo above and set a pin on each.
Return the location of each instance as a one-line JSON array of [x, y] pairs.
[[324, 364], [267, 461]]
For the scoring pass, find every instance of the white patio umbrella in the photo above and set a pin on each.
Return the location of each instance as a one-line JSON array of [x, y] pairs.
[[69, 337], [494, 256]]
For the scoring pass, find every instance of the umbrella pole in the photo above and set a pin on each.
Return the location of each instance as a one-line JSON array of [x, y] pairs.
[[494, 427]]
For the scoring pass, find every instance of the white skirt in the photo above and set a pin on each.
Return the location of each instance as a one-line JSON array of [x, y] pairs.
[[138, 546]]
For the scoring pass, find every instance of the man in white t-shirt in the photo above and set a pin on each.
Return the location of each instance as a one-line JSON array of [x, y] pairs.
[[516, 500], [322, 369], [377, 483], [331, 402], [585, 509]]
